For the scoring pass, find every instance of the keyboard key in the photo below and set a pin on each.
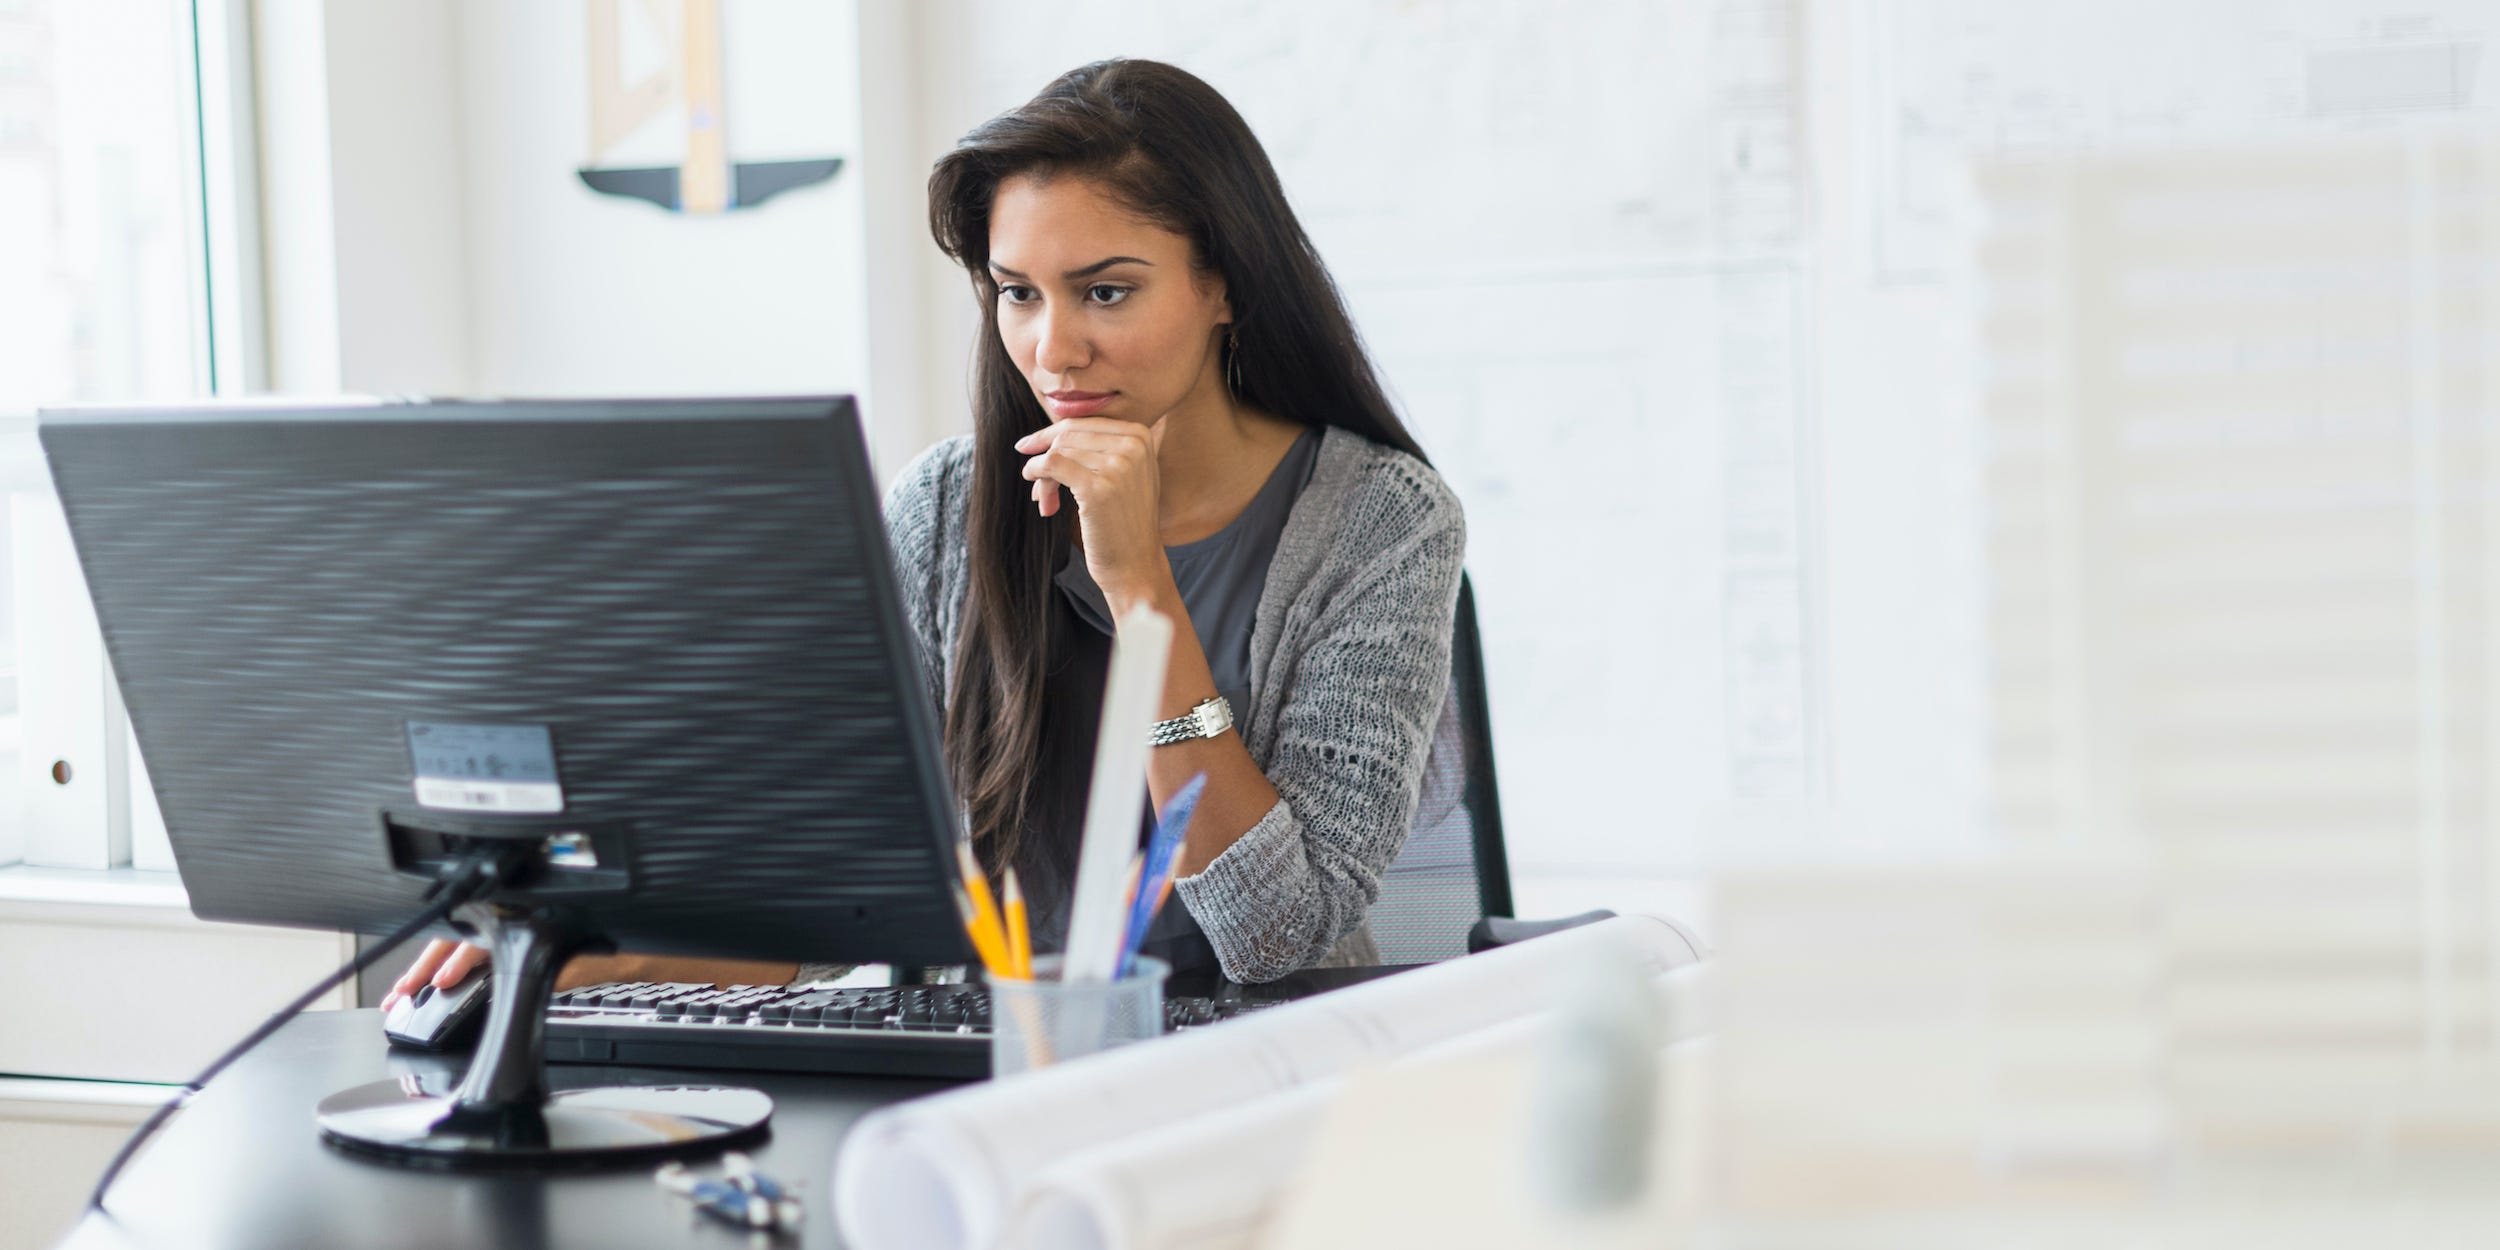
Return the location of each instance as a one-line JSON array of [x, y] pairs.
[[906, 1030]]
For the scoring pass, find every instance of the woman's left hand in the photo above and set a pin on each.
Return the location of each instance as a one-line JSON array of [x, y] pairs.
[[1111, 467]]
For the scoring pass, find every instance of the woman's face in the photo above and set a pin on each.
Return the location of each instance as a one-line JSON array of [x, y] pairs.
[[1104, 314]]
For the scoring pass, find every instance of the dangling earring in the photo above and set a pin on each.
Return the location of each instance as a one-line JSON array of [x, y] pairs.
[[1232, 361]]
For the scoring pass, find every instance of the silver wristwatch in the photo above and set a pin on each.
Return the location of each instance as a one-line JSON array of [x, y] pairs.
[[1203, 721]]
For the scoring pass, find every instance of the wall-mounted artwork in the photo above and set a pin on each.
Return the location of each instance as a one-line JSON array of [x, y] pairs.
[[660, 124]]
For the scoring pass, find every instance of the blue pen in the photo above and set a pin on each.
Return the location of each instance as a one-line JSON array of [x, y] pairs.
[[1163, 851]]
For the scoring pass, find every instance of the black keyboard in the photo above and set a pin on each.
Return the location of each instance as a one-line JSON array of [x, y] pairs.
[[915, 1030]]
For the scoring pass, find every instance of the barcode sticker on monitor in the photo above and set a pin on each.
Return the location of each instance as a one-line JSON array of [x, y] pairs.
[[488, 796], [485, 768]]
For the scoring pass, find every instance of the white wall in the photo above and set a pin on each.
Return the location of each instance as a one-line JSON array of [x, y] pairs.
[[464, 256], [429, 234], [299, 262], [914, 385], [1687, 299], [407, 297], [572, 292], [1575, 239]]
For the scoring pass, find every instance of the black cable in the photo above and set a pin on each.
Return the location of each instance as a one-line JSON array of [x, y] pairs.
[[466, 880]]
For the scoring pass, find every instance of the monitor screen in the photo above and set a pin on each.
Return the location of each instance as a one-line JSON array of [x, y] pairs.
[[664, 634]]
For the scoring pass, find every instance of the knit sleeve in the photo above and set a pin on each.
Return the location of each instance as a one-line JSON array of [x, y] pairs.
[[921, 508], [1354, 731]]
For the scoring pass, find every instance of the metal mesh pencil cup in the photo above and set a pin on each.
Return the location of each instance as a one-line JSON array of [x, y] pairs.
[[1036, 1023]]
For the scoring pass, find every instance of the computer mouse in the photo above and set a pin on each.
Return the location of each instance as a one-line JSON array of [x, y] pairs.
[[439, 1019]]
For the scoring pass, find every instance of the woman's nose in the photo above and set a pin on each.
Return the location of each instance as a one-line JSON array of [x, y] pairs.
[[1062, 347]]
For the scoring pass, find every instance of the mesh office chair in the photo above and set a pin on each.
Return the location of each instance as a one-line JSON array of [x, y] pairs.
[[1452, 870]]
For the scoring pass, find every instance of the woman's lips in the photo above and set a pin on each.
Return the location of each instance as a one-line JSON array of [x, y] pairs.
[[1078, 403]]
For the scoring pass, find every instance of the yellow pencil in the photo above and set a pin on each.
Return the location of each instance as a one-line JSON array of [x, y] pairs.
[[1019, 934], [972, 929], [987, 938]]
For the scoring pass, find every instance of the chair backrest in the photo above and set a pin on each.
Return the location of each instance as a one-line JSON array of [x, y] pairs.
[[1452, 870]]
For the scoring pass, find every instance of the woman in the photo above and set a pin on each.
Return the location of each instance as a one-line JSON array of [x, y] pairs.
[[1171, 411]]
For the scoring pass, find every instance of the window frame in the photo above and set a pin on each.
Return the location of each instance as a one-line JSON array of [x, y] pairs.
[[223, 241]]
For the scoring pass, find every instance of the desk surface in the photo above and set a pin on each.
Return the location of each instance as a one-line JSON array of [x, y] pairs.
[[242, 1167]]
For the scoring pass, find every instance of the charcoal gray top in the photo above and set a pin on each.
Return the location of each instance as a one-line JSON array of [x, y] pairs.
[[1220, 576], [1349, 661]]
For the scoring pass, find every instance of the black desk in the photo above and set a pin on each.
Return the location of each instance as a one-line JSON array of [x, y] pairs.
[[242, 1167]]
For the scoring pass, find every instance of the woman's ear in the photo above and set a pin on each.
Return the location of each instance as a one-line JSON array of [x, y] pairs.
[[1211, 288]]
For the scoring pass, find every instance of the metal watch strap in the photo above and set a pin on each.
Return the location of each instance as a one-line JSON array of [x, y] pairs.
[[1203, 721]]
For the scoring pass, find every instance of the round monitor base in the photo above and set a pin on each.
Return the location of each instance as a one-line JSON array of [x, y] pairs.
[[574, 1128]]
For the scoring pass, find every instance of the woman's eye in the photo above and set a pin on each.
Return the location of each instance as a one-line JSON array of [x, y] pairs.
[[1107, 294], [1015, 294]]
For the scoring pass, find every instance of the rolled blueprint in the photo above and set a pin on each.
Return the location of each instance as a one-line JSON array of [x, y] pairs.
[[1213, 1182], [942, 1172]]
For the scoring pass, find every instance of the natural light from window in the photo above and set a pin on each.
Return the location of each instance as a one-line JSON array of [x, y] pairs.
[[99, 259]]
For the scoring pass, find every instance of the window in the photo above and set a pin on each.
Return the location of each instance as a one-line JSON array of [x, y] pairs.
[[103, 256]]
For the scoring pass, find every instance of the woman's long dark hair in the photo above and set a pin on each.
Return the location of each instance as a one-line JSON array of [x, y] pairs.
[[1170, 149]]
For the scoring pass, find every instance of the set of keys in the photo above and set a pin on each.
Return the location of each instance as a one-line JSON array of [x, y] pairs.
[[744, 1196]]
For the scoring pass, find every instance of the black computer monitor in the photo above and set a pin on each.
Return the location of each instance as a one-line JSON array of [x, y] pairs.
[[651, 648]]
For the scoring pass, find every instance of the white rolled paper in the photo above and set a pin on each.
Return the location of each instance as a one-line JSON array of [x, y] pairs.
[[941, 1173], [1215, 1181]]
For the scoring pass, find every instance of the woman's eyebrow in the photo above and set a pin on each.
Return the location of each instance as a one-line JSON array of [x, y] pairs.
[[1086, 272]]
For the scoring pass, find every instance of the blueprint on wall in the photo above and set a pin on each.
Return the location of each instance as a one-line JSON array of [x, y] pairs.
[[1946, 83], [1569, 238], [1686, 298]]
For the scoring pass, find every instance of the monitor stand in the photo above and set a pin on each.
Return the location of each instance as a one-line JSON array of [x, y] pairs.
[[502, 1115]]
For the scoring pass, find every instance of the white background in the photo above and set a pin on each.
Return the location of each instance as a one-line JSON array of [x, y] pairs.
[[1685, 298]]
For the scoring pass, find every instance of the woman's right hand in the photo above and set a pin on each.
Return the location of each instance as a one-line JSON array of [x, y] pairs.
[[443, 962]]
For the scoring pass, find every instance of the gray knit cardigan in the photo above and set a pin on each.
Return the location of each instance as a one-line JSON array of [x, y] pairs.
[[1349, 663]]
